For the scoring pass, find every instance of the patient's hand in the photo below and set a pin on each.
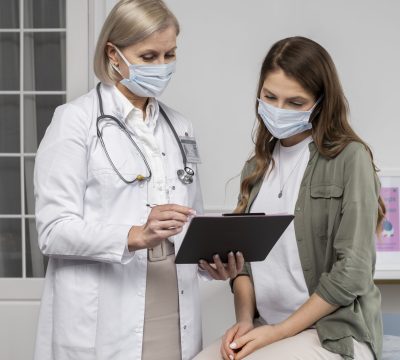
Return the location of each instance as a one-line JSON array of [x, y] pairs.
[[255, 339], [223, 271], [236, 331]]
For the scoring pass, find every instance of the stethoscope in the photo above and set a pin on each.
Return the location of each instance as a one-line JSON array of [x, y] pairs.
[[185, 175]]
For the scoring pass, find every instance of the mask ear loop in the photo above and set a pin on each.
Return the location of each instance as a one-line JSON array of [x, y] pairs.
[[127, 63], [123, 58], [317, 102], [315, 109]]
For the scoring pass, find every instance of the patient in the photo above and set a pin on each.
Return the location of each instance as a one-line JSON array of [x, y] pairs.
[[314, 294]]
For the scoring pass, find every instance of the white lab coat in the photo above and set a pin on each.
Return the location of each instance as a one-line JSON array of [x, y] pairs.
[[94, 297]]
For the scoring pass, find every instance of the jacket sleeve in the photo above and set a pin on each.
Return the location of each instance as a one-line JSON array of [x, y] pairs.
[[354, 244], [60, 182]]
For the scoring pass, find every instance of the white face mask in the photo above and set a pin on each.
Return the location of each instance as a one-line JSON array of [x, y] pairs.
[[282, 123], [146, 80]]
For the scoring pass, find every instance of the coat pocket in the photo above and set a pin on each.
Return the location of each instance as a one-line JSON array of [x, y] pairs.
[[76, 292]]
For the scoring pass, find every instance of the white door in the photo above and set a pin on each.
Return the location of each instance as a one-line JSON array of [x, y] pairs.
[[44, 52]]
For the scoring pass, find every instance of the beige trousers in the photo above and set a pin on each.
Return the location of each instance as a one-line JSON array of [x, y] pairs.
[[161, 339], [303, 346]]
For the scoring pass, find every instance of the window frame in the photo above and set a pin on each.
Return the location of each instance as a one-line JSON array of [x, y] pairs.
[[79, 78]]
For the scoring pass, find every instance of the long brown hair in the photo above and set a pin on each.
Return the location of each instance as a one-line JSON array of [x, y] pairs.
[[310, 64]]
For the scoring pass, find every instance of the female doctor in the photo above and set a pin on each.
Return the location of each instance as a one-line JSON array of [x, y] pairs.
[[110, 173]]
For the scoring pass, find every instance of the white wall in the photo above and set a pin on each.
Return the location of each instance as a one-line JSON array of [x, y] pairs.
[[220, 51]]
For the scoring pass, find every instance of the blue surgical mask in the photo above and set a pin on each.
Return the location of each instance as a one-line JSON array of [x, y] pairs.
[[282, 123], [146, 80]]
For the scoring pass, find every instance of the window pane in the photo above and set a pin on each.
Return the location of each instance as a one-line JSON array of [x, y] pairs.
[[38, 112], [9, 123], [9, 14], [44, 13], [29, 164], [10, 248], [10, 186], [36, 263], [44, 61], [9, 61]]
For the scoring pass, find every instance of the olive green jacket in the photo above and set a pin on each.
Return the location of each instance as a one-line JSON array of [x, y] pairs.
[[335, 222]]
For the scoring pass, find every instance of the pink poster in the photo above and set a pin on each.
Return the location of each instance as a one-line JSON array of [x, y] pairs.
[[390, 240]]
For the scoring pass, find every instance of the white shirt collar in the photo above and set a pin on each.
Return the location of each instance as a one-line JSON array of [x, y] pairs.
[[115, 103]]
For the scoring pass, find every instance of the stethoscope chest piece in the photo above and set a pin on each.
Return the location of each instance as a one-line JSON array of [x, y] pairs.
[[186, 175]]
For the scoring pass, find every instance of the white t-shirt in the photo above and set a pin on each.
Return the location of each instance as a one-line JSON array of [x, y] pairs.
[[278, 280]]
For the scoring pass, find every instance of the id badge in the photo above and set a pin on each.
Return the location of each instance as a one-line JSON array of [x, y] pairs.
[[190, 147]]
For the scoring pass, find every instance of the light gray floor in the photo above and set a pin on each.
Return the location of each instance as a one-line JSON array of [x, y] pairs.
[[391, 340]]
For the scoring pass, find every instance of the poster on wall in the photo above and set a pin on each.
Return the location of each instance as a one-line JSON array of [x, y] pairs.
[[389, 240], [388, 243]]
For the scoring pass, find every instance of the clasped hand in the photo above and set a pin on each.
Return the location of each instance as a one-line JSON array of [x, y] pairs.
[[243, 339]]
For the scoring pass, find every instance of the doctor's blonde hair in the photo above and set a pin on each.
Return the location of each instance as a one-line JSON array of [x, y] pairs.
[[129, 22]]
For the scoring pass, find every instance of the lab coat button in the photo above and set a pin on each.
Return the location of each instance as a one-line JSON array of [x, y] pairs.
[[182, 292], [184, 327], [138, 330]]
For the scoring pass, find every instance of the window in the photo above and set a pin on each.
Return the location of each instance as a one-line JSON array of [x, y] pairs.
[[44, 61], [32, 84]]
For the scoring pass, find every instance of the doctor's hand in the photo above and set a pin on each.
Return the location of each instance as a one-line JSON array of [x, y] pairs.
[[223, 271], [163, 221]]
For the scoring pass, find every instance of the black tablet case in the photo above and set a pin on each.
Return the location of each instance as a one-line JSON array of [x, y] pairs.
[[252, 234]]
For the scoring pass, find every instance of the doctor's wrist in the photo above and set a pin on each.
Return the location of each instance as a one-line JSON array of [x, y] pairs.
[[135, 238]]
